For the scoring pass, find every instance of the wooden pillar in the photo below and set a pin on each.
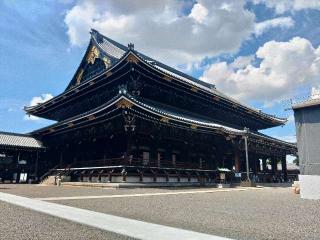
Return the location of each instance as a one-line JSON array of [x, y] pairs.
[[253, 163], [61, 159], [36, 171], [284, 168], [273, 165], [128, 148]]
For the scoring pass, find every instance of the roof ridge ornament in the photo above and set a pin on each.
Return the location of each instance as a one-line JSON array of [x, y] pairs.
[[123, 89], [131, 46]]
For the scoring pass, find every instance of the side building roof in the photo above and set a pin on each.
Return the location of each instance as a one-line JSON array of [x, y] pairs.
[[15, 140], [307, 104]]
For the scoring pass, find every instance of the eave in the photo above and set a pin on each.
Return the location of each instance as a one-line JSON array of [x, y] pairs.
[[125, 101]]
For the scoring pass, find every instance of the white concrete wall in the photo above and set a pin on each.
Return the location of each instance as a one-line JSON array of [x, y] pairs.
[[85, 179], [117, 179], [309, 186], [161, 179], [136, 179], [173, 179], [65, 178], [183, 179], [147, 179], [104, 179], [95, 179], [194, 180], [133, 179]]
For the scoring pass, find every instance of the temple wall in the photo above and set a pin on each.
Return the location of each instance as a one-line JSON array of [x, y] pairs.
[[308, 131]]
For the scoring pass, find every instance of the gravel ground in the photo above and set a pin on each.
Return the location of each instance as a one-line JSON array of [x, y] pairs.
[[264, 214], [20, 223], [271, 213]]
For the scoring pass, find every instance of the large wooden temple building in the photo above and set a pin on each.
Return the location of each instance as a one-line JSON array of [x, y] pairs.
[[125, 117]]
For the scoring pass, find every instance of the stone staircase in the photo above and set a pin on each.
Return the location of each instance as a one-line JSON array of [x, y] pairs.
[[49, 180]]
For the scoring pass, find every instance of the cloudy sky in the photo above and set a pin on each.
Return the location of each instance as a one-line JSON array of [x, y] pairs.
[[260, 52]]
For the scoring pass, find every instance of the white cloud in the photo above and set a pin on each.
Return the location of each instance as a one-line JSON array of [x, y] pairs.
[[285, 68], [242, 61], [41, 99], [161, 28], [287, 138], [35, 101], [282, 6], [31, 118], [281, 22], [315, 92], [199, 13], [291, 118]]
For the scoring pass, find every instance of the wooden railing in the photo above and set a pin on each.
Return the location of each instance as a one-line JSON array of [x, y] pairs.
[[136, 162]]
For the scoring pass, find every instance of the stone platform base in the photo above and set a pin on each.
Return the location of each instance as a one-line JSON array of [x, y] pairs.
[[309, 186], [248, 184], [137, 185]]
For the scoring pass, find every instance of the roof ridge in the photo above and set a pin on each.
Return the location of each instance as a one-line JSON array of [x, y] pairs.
[[16, 134]]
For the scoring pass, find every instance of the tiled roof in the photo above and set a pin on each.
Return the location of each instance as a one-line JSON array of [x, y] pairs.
[[118, 50], [309, 103], [19, 140], [110, 48]]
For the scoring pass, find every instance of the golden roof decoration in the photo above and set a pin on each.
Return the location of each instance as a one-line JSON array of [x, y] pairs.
[[164, 119], [93, 54], [216, 98], [132, 58], [193, 126], [123, 103], [91, 117], [167, 78], [107, 62], [194, 89], [108, 74], [79, 76]]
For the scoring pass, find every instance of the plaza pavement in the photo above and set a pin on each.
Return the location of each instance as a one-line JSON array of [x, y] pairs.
[[268, 213]]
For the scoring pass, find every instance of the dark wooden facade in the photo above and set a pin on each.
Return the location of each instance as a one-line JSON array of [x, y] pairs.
[[126, 112]]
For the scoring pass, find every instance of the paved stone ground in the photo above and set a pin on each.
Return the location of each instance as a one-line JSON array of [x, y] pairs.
[[271, 213], [20, 223]]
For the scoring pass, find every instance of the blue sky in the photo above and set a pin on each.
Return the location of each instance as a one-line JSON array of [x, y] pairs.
[[42, 43]]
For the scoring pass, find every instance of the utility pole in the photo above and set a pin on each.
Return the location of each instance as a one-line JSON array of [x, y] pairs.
[[246, 130]]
